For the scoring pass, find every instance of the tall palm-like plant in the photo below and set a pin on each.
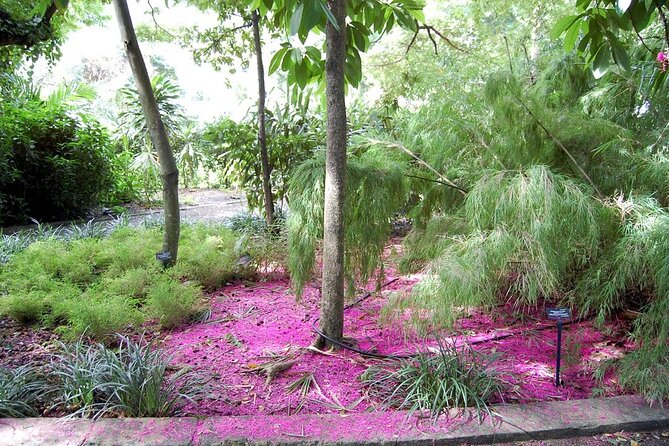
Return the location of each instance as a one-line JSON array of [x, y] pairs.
[[134, 132], [131, 118]]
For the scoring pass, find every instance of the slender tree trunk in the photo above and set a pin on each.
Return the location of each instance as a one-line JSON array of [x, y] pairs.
[[332, 299], [262, 135], [168, 167]]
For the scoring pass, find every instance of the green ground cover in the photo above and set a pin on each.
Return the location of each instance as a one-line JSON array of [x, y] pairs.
[[103, 285]]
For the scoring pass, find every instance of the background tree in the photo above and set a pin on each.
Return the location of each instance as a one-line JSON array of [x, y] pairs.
[[220, 45], [169, 172]]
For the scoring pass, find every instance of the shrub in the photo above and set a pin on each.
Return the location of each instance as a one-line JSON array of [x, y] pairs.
[[82, 380], [100, 286], [21, 391], [97, 313], [131, 381], [137, 373], [530, 234], [54, 165], [212, 260], [172, 302], [436, 382]]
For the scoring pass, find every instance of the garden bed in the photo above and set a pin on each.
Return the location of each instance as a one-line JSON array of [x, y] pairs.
[[256, 324], [253, 356]]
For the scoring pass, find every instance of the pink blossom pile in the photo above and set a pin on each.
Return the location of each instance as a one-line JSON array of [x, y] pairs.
[[251, 320]]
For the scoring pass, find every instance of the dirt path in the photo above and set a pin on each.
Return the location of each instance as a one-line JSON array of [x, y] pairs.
[[207, 205]]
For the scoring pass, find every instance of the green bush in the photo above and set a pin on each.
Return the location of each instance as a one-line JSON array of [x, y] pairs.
[[172, 302], [101, 286], [129, 381], [435, 382], [53, 164], [213, 260]]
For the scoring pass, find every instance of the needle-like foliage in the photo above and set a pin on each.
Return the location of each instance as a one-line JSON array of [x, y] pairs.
[[375, 190], [529, 232]]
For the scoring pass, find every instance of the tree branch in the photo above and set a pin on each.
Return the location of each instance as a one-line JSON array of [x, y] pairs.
[[431, 29], [155, 22], [393, 145]]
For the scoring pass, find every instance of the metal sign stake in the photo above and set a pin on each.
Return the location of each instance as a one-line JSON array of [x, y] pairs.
[[559, 353], [559, 315]]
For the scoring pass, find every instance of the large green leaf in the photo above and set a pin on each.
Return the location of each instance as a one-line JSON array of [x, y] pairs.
[[275, 63], [570, 37], [296, 19], [601, 61], [562, 25], [620, 55]]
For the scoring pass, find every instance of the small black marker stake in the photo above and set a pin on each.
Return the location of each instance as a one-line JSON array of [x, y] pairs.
[[559, 353], [558, 314]]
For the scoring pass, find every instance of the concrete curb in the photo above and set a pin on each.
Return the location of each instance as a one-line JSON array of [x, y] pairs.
[[561, 419]]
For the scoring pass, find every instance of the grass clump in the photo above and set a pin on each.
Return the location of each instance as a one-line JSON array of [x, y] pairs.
[[105, 285], [436, 382], [131, 380], [22, 390]]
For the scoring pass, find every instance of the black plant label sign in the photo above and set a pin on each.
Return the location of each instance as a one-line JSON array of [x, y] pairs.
[[558, 314]]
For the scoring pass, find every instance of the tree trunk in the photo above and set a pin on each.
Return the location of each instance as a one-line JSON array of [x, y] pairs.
[[168, 167], [262, 135], [332, 298]]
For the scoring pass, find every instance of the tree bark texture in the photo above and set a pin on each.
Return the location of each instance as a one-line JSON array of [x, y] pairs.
[[168, 167], [262, 134], [332, 298], [26, 33]]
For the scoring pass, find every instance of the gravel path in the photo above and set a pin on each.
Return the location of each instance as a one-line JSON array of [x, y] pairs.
[[207, 205]]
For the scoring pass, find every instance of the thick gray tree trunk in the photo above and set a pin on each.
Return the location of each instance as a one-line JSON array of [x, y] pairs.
[[262, 134], [332, 299], [168, 167]]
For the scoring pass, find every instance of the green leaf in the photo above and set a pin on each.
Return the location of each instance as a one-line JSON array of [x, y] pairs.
[[601, 61], [275, 63], [301, 75], [582, 45], [562, 25], [61, 4], [313, 53], [331, 18], [620, 56], [296, 56], [296, 19], [311, 16], [640, 15], [570, 37], [358, 38], [287, 61]]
